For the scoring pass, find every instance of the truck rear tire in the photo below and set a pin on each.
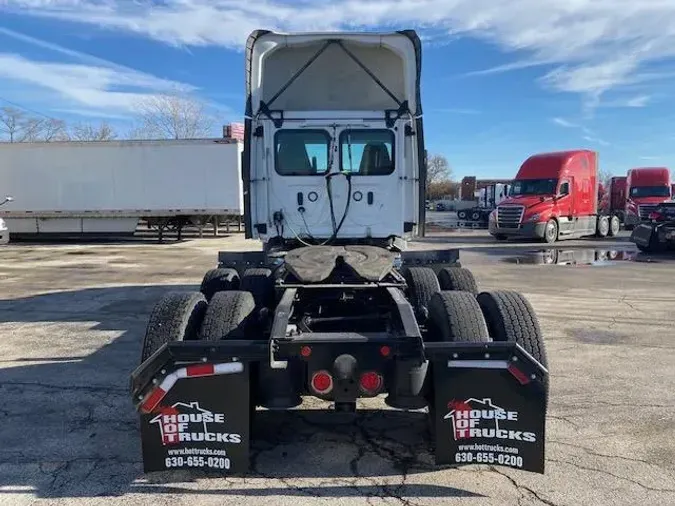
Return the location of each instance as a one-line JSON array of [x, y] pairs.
[[226, 316], [510, 317], [453, 317], [422, 285], [461, 215], [551, 232], [261, 285], [176, 317], [456, 317], [602, 229], [457, 279], [614, 226], [219, 280]]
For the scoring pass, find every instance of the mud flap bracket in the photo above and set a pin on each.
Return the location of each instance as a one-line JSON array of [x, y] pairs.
[[489, 405]]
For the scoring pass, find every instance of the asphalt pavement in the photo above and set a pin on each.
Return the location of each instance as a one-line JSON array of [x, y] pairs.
[[72, 319]]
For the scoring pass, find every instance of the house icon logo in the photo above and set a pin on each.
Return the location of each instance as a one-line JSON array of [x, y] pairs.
[[188, 422], [482, 419]]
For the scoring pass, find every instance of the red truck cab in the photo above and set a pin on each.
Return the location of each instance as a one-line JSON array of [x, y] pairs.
[[646, 187], [553, 196], [613, 199]]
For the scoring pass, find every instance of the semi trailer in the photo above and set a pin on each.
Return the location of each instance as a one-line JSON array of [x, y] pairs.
[[95, 188], [335, 305], [555, 196], [646, 188]]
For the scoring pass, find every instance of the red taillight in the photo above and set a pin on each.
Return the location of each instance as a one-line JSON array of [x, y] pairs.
[[370, 382], [305, 351], [655, 216], [385, 351], [322, 382]]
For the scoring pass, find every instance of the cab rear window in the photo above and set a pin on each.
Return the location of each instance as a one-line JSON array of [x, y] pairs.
[[301, 152]]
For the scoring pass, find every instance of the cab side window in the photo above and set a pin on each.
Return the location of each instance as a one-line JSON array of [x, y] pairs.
[[564, 188]]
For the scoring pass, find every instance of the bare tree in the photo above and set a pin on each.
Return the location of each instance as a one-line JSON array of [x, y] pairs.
[[438, 169], [605, 177], [43, 130], [171, 117], [11, 123], [87, 132]]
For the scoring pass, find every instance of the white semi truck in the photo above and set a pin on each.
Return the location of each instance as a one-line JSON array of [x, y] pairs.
[[108, 187], [333, 306]]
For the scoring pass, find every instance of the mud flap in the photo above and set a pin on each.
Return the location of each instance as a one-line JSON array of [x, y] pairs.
[[194, 414], [490, 411]]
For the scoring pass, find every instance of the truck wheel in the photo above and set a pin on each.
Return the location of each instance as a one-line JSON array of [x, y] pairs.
[[454, 279], [551, 232], [510, 317], [461, 215], [219, 280], [176, 317], [422, 285], [475, 216], [603, 226], [453, 317], [456, 317], [226, 316], [614, 226], [261, 285]]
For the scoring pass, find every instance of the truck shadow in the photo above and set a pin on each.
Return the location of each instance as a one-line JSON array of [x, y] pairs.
[[69, 430]]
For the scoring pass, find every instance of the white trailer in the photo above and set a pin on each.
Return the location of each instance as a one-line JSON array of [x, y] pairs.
[[108, 187]]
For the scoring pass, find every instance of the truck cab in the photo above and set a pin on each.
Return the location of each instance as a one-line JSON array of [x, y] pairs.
[[553, 196], [335, 139], [646, 188]]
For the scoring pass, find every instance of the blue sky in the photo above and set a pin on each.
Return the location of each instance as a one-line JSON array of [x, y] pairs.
[[501, 80]]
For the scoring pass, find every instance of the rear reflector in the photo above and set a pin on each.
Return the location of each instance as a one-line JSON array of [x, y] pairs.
[[305, 351], [322, 382], [153, 400], [518, 374], [371, 382], [199, 370], [385, 351]]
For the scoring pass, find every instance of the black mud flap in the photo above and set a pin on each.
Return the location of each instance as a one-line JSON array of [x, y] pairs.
[[195, 413], [490, 404], [642, 235]]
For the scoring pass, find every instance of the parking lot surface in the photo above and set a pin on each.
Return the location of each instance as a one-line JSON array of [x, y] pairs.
[[72, 319]]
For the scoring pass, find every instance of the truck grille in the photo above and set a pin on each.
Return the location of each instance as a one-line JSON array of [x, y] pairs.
[[509, 216], [645, 210]]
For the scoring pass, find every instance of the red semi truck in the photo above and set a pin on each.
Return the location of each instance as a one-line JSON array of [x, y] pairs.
[[613, 198], [646, 188], [555, 196]]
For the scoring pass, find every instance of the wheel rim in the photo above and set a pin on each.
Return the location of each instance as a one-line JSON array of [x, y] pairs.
[[604, 227], [550, 230]]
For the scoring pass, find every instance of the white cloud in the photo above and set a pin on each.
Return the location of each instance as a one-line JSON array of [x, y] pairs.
[[564, 123], [594, 45], [86, 86], [596, 140]]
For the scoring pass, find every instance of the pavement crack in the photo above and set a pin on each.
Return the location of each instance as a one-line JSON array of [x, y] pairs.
[[522, 488], [85, 388], [602, 471], [596, 454]]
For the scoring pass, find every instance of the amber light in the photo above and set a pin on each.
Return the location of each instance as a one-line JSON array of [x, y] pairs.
[[322, 382], [371, 382]]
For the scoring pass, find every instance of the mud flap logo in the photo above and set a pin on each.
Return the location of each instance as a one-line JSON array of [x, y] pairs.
[[475, 418], [189, 423]]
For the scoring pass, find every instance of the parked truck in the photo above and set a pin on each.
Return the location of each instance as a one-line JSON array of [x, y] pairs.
[[333, 306], [613, 198], [646, 188], [108, 187], [488, 197], [553, 197]]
